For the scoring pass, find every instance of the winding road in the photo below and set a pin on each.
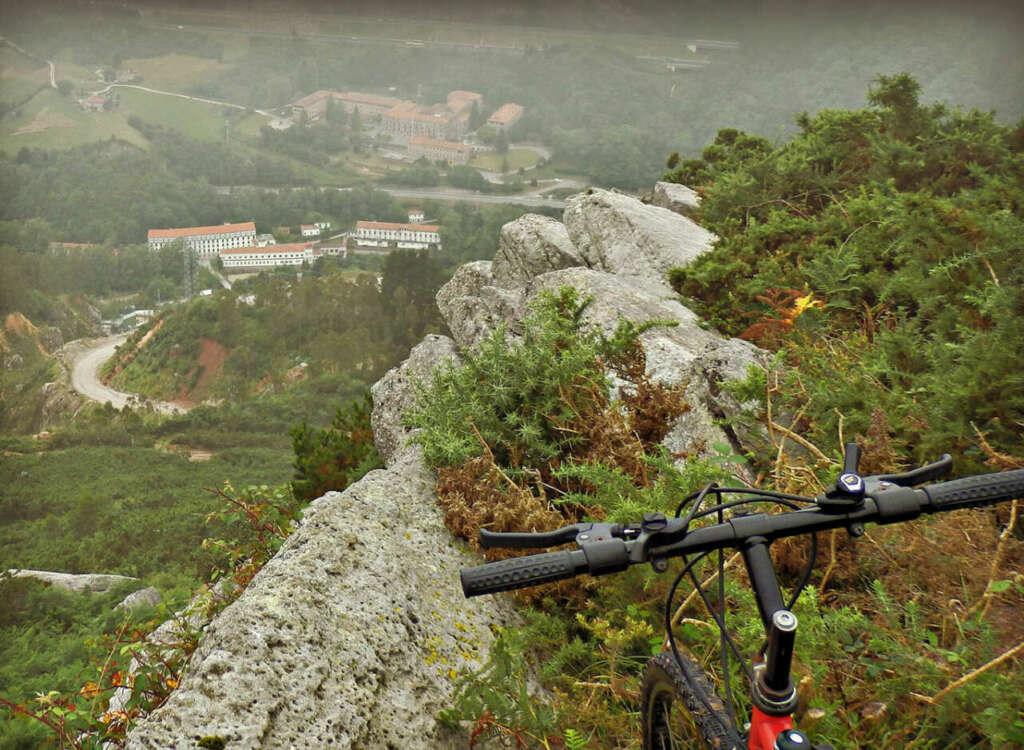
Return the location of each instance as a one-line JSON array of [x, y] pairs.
[[85, 380]]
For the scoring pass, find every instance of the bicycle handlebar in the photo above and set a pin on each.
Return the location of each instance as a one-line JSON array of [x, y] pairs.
[[604, 548]]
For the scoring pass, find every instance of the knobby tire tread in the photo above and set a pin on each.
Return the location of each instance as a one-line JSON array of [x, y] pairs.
[[663, 672]]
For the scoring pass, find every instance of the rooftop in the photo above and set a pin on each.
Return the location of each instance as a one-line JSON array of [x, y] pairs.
[[506, 113], [161, 234], [391, 225], [423, 140]]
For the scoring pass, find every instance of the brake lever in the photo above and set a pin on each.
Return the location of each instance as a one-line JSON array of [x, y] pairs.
[[540, 539], [926, 473]]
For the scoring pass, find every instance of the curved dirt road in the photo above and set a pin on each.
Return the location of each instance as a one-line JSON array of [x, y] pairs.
[[85, 381]]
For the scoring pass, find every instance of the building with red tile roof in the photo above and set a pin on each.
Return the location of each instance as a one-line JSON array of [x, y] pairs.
[[291, 254], [506, 116], [206, 241]]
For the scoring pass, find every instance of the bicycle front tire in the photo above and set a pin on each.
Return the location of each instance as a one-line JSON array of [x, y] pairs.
[[677, 696]]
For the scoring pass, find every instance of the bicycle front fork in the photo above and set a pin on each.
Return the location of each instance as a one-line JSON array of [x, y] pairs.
[[772, 691]]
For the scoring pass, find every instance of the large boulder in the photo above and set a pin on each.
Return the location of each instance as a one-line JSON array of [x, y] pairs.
[[619, 234], [532, 245], [676, 197], [473, 304], [350, 637], [147, 597]]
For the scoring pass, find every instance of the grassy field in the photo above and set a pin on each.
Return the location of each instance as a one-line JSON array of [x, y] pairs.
[[174, 72], [19, 76], [204, 122], [50, 120], [516, 158]]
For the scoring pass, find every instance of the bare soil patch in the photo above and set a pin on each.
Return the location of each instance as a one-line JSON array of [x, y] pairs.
[[211, 358], [45, 120]]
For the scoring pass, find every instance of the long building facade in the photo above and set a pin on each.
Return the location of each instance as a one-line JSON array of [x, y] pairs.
[[292, 254], [206, 241], [405, 236]]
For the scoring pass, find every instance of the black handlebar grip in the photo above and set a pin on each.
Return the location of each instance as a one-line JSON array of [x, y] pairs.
[[520, 572], [970, 492]]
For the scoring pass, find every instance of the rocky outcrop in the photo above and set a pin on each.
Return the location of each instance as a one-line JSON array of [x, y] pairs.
[[147, 597], [59, 402], [394, 393], [473, 303], [677, 198], [617, 233], [351, 636], [93, 583], [532, 245]]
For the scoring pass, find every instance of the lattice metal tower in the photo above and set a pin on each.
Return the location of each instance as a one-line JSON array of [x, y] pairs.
[[191, 277]]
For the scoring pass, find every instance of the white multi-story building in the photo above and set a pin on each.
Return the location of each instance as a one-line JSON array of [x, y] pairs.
[[310, 230], [206, 241], [293, 254], [405, 236]]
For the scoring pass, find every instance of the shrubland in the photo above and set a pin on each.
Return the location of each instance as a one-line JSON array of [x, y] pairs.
[[874, 254]]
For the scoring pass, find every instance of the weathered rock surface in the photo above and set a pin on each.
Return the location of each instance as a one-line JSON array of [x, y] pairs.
[[472, 303], [394, 393], [617, 233], [93, 583], [350, 637], [677, 198], [60, 401], [532, 245]]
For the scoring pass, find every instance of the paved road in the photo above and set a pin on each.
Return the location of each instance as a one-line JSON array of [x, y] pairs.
[[202, 99], [439, 194], [85, 381]]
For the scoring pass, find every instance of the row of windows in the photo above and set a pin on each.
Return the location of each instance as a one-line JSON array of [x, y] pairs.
[[393, 234]]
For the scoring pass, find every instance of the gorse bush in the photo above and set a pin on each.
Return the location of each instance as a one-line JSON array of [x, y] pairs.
[[879, 251], [513, 429]]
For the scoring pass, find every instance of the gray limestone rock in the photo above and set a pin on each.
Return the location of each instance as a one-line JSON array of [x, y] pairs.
[[93, 583], [394, 393], [532, 245], [676, 197], [350, 637], [472, 303], [619, 234]]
